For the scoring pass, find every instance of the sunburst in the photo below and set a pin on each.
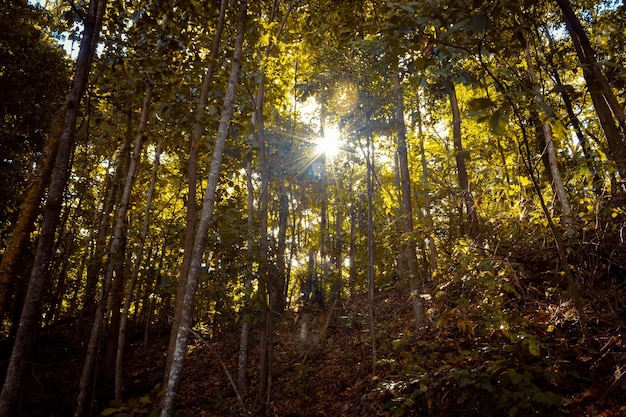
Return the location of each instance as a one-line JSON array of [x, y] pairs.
[[330, 144]]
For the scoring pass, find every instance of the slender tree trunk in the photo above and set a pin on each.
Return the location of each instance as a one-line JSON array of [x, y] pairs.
[[265, 285], [32, 304], [432, 246], [557, 182], [567, 270], [281, 277], [242, 374], [370, 243], [116, 261], [267, 282], [573, 119], [338, 284], [468, 199], [610, 112], [28, 211], [121, 340], [204, 222], [192, 173], [112, 315], [95, 264], [406, 205], [352, 273]]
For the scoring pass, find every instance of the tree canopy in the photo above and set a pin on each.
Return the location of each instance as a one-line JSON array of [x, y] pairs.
[[168, 177]]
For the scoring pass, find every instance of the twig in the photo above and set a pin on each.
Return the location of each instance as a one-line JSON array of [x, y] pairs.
[[225, 368], [322, 332], [620, 373]]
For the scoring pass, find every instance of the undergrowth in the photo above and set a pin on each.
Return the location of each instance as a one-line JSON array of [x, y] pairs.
[[496, 345]]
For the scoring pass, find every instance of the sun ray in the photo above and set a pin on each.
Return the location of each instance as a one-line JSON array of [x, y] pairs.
[[330, 143]]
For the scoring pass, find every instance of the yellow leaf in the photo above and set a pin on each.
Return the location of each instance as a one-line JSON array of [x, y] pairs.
[[533, 347]]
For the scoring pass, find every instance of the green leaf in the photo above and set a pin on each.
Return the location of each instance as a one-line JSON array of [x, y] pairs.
[[533, 347], [481, 103], [498, 123]]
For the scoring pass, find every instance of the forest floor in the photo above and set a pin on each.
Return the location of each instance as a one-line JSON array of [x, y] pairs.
[[323, 365], [521, 354]]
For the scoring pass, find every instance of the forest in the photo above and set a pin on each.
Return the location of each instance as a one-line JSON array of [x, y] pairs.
[[312, 208]]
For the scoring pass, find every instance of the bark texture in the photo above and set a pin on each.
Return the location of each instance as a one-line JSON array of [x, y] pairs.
[[30, 317], [29, 209], [468, 199], [610, 112], [206, 215], [555, 171], [192, 174], [406, 205]]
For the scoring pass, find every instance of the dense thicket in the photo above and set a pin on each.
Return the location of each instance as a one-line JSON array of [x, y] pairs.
[[478, 170]]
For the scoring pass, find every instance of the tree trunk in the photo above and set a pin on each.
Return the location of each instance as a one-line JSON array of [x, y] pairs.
[[352, 273], [267, 282], [265, 285], [406, 205], [370, 242], [281, 277], [338, 248], [432, 246], [121, 340], [573, 118], [101, 240], [32, 304], [205, 219], [242, 373], [610, 112], [192, 173], [557, 182], [28, 211], [116, 254], [468, 199]]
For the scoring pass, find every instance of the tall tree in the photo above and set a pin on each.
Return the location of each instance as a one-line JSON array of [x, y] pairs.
[[460, 156], [31, 313], [33, 79], [116, 254], [267, 280], [121, 341], [208, 204], [432, 246], [371, 255], [550, 149], [610, 112], [406, 204], [192, 174]]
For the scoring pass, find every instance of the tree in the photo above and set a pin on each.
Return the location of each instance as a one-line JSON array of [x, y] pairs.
[[192, 173], [33, 82], [116, 254], [548, 137], [406, 203], [460, 157], [30, 315], [608, 109], [204, 221]]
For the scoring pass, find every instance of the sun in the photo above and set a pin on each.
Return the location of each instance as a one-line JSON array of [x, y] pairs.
[[330, 143]]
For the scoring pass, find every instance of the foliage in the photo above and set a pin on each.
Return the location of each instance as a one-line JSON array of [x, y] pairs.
[[34, 76], [480, 357], [500, 322], [143, 406]]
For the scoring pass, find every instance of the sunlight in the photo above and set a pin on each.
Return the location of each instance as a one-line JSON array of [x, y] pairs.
[[330, 143]]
